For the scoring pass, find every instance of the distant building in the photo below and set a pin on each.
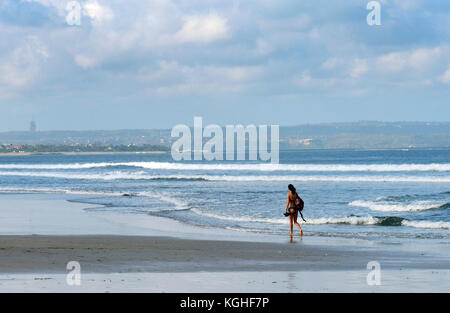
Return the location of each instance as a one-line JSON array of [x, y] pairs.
[[33, 126]]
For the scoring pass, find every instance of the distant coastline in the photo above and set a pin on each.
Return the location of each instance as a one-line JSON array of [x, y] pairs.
[[40, 149], [350, 135], [164, 152], [80, 153]]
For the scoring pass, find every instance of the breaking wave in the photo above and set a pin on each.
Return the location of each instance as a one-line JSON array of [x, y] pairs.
[[349, 220], [440, 167], [397, 207], [427, 224], [115, 175]]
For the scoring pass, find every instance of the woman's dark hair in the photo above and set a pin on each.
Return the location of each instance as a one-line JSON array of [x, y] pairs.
[[292, 189]]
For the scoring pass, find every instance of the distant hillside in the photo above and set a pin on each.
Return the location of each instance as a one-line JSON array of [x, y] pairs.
[[355, 135], [366, 135], [368, 128]]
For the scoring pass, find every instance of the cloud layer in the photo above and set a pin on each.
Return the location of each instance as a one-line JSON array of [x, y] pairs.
[[178, 58]]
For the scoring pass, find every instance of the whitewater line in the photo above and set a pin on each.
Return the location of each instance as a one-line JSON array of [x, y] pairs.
[[264, 167]]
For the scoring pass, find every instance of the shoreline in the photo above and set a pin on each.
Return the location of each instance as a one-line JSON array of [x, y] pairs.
[[82, 153], [108, 242]]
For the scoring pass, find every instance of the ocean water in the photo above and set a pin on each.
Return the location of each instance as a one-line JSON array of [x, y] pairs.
[[356, 194]]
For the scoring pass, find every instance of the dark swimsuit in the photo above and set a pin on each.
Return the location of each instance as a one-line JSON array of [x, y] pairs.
[[295, 208], [292, 206]]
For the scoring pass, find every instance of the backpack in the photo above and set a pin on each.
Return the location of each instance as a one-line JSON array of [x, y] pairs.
[[299, 203]]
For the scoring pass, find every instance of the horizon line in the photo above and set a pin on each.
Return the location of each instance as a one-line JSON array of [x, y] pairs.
[[284, 126]]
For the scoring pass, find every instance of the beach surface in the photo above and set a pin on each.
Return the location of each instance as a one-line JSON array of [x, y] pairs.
[[152, 254], [158, 264], [108, 254]]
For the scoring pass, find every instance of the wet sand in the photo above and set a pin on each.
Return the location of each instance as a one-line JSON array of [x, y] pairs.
[[232, 282], [126, 254]]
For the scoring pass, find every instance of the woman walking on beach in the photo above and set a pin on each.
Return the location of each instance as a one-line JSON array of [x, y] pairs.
[[292, 209]]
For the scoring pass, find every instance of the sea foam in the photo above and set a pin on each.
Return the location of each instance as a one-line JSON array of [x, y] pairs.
[[440, 167], [398, 207], [141, 175]]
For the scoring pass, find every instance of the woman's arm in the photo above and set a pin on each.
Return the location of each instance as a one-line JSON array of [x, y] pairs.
[[287, 203]]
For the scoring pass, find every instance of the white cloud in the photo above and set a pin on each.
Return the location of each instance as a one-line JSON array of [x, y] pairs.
[[359, 67], [84, 61], [314, 33], [60, 5], [404, 5], [203, 28], [22, 65], [445, 78], [132, 50], [331, 63], [263, 47], [307, 81], [158, 27], [235, 74], [419, 59], [177, 78], [290, 24], [98, 13]]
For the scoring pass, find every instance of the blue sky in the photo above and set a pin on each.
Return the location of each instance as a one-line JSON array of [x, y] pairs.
[[157, 63]]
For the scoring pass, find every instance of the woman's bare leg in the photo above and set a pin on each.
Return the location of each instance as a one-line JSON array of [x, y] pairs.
[[296, 223], [291, 226]]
